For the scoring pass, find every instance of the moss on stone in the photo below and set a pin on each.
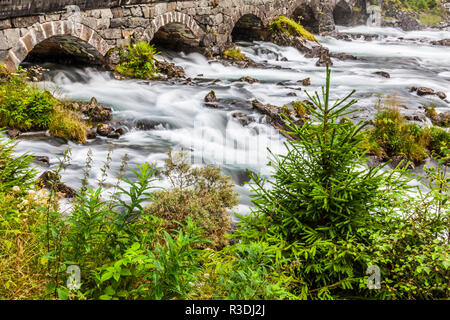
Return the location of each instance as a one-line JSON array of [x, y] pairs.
[[289, 26], [234, 54]]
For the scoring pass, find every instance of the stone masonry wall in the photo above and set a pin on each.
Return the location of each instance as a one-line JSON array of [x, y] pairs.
[[212, 21]]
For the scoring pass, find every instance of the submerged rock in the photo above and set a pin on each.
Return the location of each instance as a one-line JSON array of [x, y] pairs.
[[36, 73], [43, 160], [443, 42], [384, 74], [247, 79], [401, 162]]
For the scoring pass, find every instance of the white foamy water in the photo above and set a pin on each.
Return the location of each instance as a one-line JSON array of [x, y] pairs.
[[165, 115]]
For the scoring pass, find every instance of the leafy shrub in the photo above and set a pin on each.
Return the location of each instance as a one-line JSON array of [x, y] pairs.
[[201, 194], [245, 272], [413, 250], [286, 25], [392, 136], [139, 61], [397, 137], [25, 107]]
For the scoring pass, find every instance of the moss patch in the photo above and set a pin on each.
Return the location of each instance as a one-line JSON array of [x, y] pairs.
[[234, 54], [289, 26]]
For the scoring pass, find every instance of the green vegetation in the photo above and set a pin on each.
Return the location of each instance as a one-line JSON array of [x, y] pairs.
[[234, 54], [429, 19], [138, 61], [392, 136], [26, 107], [429, 12], [286, 25], [327, 213], [203, 195], [318, 223]]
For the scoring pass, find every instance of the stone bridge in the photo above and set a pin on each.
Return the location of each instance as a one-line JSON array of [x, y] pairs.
[[91, 28]]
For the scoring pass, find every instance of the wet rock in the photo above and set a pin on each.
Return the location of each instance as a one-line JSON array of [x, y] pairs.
[[273, 114], [343, 56], [145, 124], [36, 73], [384, 74], [401, 162], [248, 79], [443, 42], [121, 131], [241, 117], [97, 112], [91, 134], [104, 129], [291, 94], [422, 91], [212, 105], [52, 181], [170, 69], [114, 135], [441, 95], [211, 97], [438, 119], [306, 82], [408, 23], [43, 160], [13, 133]]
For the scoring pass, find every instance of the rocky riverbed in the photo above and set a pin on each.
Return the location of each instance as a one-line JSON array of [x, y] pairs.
[[233, 129]]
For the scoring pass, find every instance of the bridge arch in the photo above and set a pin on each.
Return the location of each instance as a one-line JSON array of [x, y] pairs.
[[256, 13], [174, 17], [59, 30], [342, 13]]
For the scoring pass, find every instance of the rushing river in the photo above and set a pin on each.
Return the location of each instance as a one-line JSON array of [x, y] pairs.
[[172, 115]]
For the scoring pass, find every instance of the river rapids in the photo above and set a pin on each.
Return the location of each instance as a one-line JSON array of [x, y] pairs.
[[165, 115]]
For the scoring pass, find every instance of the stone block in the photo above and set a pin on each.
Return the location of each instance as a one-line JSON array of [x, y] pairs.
[[11, 37], [5, 24], [24, 22], [136, 11], [112, 34]]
